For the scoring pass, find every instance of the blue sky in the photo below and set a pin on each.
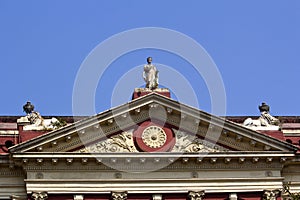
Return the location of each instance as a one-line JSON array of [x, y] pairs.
[[254, 44]]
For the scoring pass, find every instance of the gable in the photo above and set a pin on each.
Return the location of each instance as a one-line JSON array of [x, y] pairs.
[[182, 129]]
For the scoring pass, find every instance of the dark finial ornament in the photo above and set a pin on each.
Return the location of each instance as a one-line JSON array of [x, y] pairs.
[[28, 107], [264, 107]]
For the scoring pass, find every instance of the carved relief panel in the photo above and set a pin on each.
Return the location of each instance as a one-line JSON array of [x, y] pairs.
[[151, 137]]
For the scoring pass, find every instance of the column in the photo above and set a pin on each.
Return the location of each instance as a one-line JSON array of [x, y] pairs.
[[233, 196], [156, 197]]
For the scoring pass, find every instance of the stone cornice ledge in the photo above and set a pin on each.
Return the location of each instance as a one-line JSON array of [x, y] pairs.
[[150, 186], [154, 155], [135, 159]]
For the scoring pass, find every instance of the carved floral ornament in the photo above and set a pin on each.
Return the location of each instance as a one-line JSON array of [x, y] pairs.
[[153, 138]]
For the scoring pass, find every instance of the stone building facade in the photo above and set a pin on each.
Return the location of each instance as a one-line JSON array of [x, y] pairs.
[[152, 147]]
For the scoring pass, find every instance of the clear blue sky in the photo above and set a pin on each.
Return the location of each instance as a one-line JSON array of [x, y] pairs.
[[255, 45]]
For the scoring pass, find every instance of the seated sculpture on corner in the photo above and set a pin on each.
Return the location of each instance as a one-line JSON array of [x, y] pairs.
[[150, 75], [265, 119], [37, 122]]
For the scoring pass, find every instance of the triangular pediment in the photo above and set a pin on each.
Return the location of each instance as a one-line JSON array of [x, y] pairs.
[[153, 123]]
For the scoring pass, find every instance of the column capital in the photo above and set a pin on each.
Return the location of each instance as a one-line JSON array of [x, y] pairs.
[[156, 197], [233, 196], [78, 197], [196, 195], [15, 197], [39, 195], [270, 194], [119, 195]]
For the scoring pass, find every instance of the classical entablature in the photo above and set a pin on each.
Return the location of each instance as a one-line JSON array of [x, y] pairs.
[[151, 145]]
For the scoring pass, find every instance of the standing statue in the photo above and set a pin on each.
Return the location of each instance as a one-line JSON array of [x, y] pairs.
[[150, 75]]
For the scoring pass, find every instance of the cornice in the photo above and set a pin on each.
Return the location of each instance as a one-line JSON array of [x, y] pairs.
[[149, 161]]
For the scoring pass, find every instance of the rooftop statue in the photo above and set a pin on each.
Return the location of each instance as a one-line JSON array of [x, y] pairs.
[[150, 75], [265, 119], [36, 121], [265, 116]]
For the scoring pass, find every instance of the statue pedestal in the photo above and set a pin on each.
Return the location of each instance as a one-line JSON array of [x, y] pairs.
[[139, 92]]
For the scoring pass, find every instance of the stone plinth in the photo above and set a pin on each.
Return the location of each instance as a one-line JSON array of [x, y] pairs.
[[139, 92]]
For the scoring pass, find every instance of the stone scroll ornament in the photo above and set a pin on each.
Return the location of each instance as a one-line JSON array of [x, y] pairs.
[[196, 195], [270, 194], [39, 196], [119, 195]]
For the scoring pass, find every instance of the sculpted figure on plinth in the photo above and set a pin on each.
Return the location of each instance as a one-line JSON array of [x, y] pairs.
[[265, 119], [34, 120], [150, 75]]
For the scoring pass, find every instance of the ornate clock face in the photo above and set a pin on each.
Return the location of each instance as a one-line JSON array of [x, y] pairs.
[[151, 137], [154, 136]]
